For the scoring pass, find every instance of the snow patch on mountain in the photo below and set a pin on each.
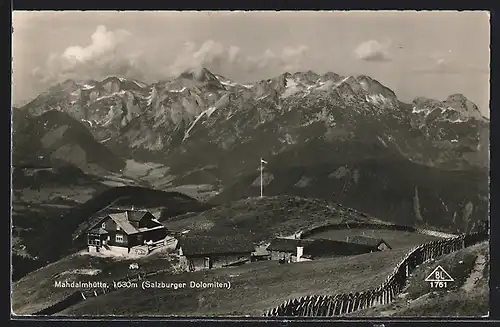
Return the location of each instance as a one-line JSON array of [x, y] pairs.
[[325, 86], [292, 87], [204, 113], [341, 82], [227, 83], [377, 99], [140, 84], [87, 87], [119, 93], [177, 90]]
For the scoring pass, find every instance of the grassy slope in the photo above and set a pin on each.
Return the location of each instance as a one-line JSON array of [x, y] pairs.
[[36, 290], [383, 188], [255, 287], [452, 302], [262, 218]]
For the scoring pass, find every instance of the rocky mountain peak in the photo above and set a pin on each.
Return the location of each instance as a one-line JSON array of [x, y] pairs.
[[198, 102], [329, 76], [456, 108], [68, 85], [200, 77], [463, 105]]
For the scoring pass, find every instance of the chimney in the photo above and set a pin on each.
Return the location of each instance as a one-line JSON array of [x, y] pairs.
[[300, 252]]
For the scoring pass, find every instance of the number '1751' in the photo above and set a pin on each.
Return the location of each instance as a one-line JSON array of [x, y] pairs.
[[438, 284]]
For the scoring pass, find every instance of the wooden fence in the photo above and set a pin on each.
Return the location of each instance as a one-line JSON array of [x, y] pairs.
[[340, 304]]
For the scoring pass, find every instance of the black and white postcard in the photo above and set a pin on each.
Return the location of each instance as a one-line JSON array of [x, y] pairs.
[[250, 164]]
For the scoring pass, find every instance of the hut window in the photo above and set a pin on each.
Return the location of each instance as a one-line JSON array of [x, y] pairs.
[[103, 225], [119, 238], [94, 242], [117, 227]]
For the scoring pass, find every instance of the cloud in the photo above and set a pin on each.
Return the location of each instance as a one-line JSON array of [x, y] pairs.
[[233, 60], [113, 52], [373, 50], [104, 56], [103, 43], [446, 62]]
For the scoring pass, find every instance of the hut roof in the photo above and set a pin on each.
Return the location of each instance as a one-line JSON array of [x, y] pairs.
[[366, 240], [285, 244], [201, 245]]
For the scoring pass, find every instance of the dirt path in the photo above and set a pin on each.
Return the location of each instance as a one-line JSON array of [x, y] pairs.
[[476, 273]]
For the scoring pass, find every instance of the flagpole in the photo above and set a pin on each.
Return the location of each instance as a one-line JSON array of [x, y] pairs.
[[260, 177]]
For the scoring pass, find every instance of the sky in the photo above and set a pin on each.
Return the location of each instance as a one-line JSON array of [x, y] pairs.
[[415, 53]]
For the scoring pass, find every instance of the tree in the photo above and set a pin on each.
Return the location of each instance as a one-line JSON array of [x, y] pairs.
[[416, 205], [469, 207]]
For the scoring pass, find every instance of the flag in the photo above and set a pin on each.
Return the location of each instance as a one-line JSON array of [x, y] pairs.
[[263, 161]]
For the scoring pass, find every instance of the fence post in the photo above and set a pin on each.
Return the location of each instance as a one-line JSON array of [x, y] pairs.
[[351, 302], [326, 305], [303, 301], [362, 299], [341, 304], [314, 300], [345, 306], [292, 307], [296, 308], [356, 302], [304, 308], [287, 308], [321, 304], [310, 307], [281, 310], [335, 305]]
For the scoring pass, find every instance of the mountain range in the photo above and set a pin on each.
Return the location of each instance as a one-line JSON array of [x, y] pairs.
[[329, 136]]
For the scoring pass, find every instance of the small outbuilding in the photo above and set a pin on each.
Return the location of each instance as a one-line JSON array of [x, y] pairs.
[[377, 244], [199, 252], [293, 250]]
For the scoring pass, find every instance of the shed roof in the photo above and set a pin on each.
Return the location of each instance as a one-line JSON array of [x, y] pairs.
[[367, 240], [319, 247], [287, 244], [327, 247], [201, 245]]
